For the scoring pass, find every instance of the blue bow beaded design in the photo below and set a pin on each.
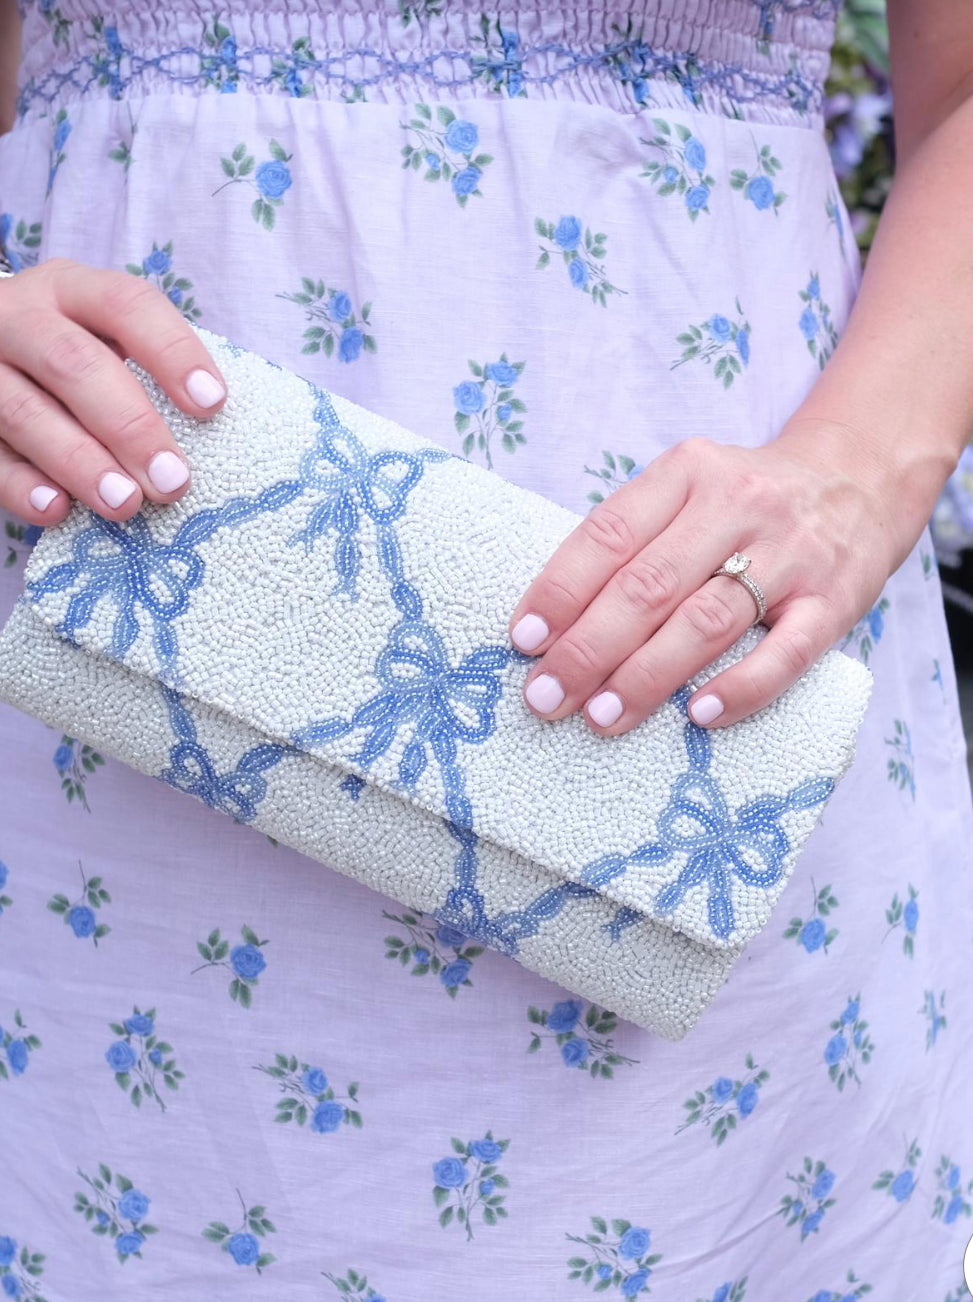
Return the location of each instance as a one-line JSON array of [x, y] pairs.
[[237, 793], [123, 563], [718, 844], [353, 481]]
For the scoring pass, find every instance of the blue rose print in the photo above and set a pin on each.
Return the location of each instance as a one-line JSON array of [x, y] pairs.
[[79, 914], [218, 63], [730, 1291], [75, 762], [717, 340], [815, 322], [807, 1206], [858, 1289], [501, 65], [465, 1186], [333, 321], [291, 71], [16, 1048], [354, 1287], [246, 962], [19, 241], [811, 933], [905, 915], [271, 180], [832, 210], [139, 1057], [243, 1245], [719, 1104], [679, 166], [62, 129], [106, 62], [586, 1042], [584, 258], [616, 470], [901, 768], [953, 1196], [308, 1096], [5, 900], [490, 405], [157, 268], [617, 1260], [757, 186], [445, 150], [114, 1208], [867, 631], [932, 1010], [426, 950], [850, 1046], [20, 1272], [900, 1184]]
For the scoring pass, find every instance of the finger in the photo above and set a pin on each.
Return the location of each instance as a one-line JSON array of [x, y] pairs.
[[796, 641], [37, 427], [607, 538], [149, 328], [28, 493], [709, 621], [104, 397], [629, 609]]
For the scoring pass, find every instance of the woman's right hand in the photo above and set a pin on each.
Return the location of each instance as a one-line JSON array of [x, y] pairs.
[[74, 420]]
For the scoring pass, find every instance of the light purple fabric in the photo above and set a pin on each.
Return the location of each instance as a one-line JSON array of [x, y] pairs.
[[582, 308]]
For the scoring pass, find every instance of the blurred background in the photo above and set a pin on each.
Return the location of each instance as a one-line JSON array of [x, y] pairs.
[[858, 112]]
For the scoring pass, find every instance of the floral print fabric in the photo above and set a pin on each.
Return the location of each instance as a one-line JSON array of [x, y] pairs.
[[557, 250]]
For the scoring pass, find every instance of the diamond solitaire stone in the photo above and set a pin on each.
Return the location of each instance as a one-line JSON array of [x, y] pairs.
[[737, 563]]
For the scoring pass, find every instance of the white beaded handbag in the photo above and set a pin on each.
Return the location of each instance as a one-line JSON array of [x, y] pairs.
[[313, 640]]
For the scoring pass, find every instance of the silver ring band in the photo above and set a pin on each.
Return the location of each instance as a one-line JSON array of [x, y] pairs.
[[734, 566]]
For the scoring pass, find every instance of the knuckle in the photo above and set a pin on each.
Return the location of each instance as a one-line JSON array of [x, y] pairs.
[[76, 464], [581, 656], [71, 354], [795, 651], [133, 424], [174, 344], [124, 294], [649, 584], [710, 616], [610, 532], [556, 593], [23, 409], [642, 681]]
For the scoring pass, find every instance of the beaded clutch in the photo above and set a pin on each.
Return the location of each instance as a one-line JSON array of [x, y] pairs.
[[314, 641]]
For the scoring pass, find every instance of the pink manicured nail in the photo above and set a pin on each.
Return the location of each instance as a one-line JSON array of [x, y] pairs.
[[115, 488], [167, 471], [529, 632], [204, 389], [544, 693], [605, 708], [42, 496], [704, 709]]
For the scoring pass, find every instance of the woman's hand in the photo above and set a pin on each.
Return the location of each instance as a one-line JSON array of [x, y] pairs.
[[74, 420], [626, 610]]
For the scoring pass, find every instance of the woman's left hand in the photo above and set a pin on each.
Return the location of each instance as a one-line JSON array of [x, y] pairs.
[[627, 608]]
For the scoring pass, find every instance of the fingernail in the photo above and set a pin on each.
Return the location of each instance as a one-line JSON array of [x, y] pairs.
[[544, 693], [167, 471], [529, 632], [704, 709], [42, 496], [605, 708], [115, 488], [204, 389]]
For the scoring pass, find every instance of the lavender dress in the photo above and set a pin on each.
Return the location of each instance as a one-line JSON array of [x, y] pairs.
[[557, 240]]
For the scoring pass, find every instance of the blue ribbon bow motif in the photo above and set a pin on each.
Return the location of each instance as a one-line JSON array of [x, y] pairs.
[[718, 845], [237, 793], [444, 704], [353, 481], [122, 562]]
